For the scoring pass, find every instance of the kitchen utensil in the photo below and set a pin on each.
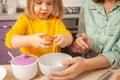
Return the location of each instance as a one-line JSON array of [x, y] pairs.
[[106, 75], [10, 54], [11, 6]]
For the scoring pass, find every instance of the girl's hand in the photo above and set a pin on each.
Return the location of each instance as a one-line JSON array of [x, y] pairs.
[[78, 65], [63, 40], [38, 41], [81, 44]]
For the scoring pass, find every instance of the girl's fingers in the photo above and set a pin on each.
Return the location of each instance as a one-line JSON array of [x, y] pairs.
[[44, 46], [57, 39], [42, 34]]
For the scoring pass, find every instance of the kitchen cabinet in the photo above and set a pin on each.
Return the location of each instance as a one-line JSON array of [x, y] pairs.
[[71, 24], [4, 57]]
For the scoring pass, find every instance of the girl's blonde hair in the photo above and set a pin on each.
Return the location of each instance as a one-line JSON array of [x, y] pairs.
[[58, 9]]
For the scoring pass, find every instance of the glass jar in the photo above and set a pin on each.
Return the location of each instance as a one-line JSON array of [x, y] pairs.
[[11, 6], [1, 8]]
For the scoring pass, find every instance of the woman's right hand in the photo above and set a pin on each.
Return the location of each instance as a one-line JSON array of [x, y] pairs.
[[77, 66], [37, 41], [81, 44]]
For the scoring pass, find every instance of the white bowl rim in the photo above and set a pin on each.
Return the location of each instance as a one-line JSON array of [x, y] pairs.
[[51, 54], [4, 73], [25, 65]]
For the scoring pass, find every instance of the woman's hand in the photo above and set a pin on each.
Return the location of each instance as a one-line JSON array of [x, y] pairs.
[[38, 41], [63, 40], [81, 44], [78, 65]]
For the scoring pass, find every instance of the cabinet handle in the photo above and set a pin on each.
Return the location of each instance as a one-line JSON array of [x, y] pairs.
[[2, 40], [5, 27]]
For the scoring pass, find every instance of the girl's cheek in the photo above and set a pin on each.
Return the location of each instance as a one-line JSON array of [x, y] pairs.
[[36, 9]]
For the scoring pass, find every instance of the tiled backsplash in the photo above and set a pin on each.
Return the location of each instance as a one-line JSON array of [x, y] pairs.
[[66, 3], [72, 3], [21, 3]]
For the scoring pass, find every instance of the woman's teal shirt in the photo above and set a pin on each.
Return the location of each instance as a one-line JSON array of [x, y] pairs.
[[103, 30]]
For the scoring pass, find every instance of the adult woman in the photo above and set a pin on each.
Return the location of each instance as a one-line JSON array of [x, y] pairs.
[[99, 30]]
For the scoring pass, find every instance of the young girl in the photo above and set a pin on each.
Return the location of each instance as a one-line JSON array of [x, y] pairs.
[[42, 18]]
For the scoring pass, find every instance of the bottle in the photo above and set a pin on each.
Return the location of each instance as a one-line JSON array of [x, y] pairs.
[[11, 6], [1, 8]]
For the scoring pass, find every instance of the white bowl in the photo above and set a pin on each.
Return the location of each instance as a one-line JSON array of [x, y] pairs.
[[3, 73], [52, 62], [25, 72]]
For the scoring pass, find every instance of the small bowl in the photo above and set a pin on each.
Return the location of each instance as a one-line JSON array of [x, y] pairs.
[[52, 62], [25, 71], [3, 73]]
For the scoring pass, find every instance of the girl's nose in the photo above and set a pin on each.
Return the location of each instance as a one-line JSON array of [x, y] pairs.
[[44, 6]]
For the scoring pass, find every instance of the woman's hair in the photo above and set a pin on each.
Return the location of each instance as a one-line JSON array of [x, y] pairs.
[[58, 9], [101, 1]]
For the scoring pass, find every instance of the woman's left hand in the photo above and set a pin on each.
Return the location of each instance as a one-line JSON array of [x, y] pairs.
[[78, 65], [81, 44]]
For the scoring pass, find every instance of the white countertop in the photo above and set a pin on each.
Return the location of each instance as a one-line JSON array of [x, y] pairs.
[[90, 75], [5, 16]]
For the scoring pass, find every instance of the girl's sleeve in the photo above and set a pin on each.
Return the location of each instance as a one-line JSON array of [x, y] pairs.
[[19, 28]]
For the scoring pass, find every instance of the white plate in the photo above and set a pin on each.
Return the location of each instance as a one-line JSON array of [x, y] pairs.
[[3, 72]]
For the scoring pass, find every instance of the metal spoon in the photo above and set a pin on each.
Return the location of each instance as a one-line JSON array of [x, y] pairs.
[[10, 54], [105, 75]]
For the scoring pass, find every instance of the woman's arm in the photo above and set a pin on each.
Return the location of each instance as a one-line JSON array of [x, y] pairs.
[[78, 66]]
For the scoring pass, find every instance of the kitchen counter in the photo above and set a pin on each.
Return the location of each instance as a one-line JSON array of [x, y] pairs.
[[5, 16], [91, 75]]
